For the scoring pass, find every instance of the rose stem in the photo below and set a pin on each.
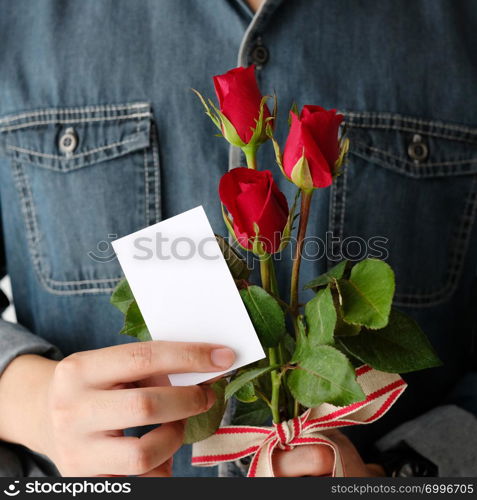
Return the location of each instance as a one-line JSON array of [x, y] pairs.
[[251, 157], [266, 270], [295, 277]]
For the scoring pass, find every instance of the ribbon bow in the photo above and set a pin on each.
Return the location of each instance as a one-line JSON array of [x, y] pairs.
[[235, 442]]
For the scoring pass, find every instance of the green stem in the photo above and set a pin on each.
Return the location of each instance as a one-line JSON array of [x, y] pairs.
[[267, 270], [251, 157], [263, 398], [295, 277], [275, 378], [273, 278], [296, 408]]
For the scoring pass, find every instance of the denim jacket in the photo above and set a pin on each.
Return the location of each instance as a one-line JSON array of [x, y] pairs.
[[100, 136]]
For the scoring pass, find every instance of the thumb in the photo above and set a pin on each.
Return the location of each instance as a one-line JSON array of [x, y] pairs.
[[308, 460]]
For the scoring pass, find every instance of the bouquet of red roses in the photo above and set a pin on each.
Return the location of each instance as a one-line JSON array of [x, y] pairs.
[[331, 362]]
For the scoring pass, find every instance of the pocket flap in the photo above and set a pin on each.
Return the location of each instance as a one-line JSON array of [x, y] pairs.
[[66, 139], [411, 146]]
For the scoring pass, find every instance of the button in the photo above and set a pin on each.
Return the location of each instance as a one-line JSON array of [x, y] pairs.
[[68, 141], [259, 55], [418, 149]]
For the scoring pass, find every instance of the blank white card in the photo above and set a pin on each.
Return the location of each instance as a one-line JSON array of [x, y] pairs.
[[184, 289]]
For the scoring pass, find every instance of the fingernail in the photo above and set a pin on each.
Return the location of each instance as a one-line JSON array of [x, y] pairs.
[[211, 396], [222, 357]]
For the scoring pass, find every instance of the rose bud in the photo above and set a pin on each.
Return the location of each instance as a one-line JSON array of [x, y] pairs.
[[313, 151], [259, 209], [243, 106]]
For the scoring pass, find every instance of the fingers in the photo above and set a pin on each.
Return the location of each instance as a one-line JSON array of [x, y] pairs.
[[131, 362], [121, 409], [137, 456], [313, 460], [164, 470]]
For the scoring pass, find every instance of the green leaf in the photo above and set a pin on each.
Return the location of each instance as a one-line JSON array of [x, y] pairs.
[[122, 296], [400, 347], [355, 362], [202, 426], [266, 314], [302, 344], [343, 329], [227, 128], [276, 148], [367, 295], [237, 265], [320, 317], [208, 111], [246, 394], [244, 378], [256, 413], [324, 375], [259, 136], [335, 273], [289, 345], [293, 109], [134, 324]]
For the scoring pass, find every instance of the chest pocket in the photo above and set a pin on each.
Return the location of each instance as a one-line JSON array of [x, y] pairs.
[[410, 185], [84, 176]]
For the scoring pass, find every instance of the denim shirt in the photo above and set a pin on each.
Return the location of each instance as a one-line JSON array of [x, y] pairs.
[[100, 135]]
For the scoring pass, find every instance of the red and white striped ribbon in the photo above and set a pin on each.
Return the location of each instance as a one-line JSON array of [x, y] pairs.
[[234, 442]]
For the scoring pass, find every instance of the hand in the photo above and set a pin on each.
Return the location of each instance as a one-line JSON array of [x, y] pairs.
[[318, 460], [89, 397]]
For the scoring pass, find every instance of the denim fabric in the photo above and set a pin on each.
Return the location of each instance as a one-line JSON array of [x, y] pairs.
[[118, 73]]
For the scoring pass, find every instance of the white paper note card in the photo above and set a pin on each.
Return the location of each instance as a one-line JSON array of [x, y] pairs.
[[184, 289]]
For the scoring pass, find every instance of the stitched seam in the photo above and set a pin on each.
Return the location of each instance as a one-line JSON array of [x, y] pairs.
[[332, 220], [155, 156], [28, 216], [146, 180], [363, 148], [343, 202], [80, 111], [146, 186], [81, 291], [86, 291], [415, 172], [408, 129], [78, 120], [367, 117], [80, 282], [409, 119], [337, 217], [73, 157]]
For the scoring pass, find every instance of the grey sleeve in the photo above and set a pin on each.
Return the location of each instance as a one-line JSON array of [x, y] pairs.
[[17, 461], [446, 435], [16, 340]]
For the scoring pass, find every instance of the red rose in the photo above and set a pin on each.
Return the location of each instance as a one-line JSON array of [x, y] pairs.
[[252, 197], [312, 147], [239, 101]]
